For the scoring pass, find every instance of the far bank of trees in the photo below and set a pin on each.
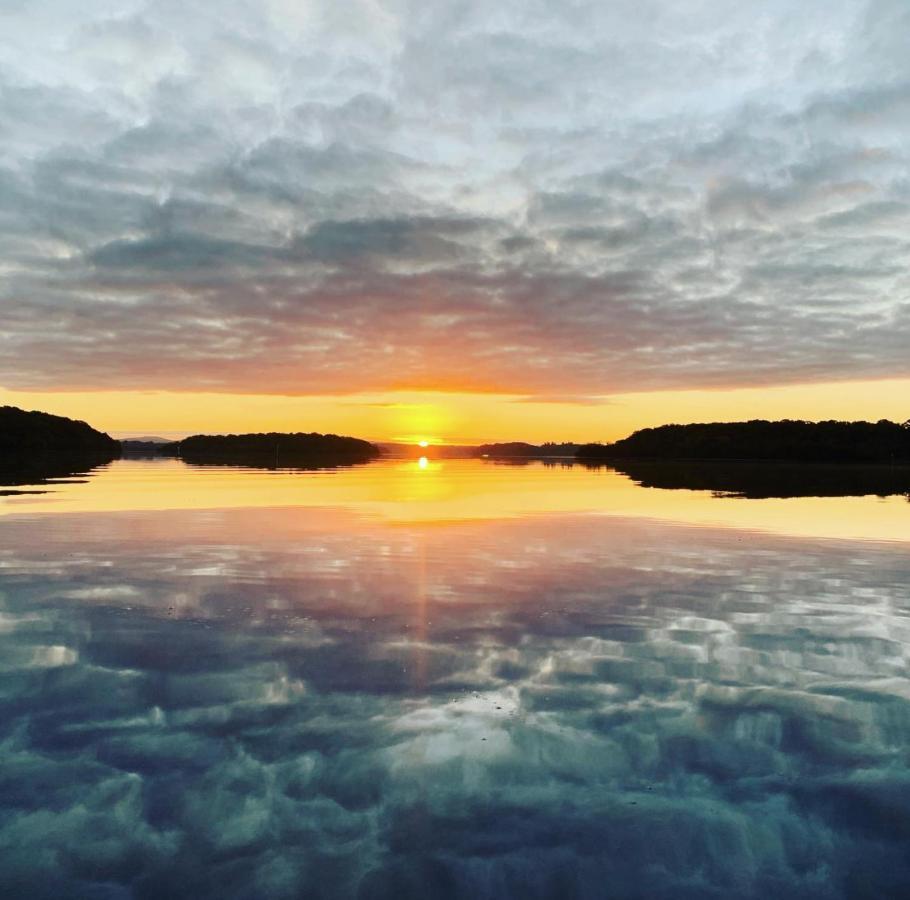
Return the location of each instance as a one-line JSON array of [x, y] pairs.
[[273, 449], [30, 437], [792, 440], [521, 450]]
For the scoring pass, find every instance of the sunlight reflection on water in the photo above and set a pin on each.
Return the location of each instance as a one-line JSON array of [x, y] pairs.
[[441, 490], [329, 700]]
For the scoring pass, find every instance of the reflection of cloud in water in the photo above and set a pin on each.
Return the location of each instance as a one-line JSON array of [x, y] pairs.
[[538, 708]]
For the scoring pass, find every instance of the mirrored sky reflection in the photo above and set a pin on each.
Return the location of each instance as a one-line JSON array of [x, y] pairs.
[[484, 687]]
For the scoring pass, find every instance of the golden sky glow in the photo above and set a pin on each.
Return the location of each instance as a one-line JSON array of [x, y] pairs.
[[438, 417], [430, 242]]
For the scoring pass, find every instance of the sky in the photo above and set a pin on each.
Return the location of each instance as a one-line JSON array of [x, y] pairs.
[[457, 220]]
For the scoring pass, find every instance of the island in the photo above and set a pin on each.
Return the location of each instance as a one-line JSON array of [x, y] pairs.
[[788, 440], [37, 446], [273, 450], [519, 450], [143, 446]]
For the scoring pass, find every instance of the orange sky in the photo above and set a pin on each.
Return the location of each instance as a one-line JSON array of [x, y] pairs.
[[461, 417], [413, 227]]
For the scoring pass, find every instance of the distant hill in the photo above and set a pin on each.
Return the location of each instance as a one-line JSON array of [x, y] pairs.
[[28, 438], [790, 440], [401, 450], [521, 450], [148, 446], [273, 450]]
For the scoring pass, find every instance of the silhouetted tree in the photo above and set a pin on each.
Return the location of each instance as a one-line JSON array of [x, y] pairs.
[[29, 436], [794, 440], [36, 446], [273, 449], [520, 449]]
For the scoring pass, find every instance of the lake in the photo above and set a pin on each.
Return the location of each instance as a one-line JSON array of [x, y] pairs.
[[452, 678]]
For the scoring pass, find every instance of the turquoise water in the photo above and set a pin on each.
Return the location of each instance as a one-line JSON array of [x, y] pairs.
[[246, 700]]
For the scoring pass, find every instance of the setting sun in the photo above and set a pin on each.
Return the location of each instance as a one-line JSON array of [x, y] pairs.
[[454, 448]]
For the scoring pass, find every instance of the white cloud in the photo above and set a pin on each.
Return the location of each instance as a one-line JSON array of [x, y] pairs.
[[605, 196]]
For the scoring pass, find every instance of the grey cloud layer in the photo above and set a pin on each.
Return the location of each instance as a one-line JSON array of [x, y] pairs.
[[527, 708], [573, 199]]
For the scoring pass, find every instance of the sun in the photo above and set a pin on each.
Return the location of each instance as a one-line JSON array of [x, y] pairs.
[[423, 443]]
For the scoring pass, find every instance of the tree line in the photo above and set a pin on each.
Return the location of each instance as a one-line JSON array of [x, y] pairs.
[[273, 449], [759, 439], [31, 436]]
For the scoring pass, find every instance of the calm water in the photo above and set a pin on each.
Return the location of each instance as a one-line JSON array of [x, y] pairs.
[[455, 679]]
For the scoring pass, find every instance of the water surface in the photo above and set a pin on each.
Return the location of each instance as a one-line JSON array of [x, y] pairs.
[[455, 679]]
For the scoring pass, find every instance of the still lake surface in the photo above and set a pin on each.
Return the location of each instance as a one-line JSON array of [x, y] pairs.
[[433, 679]]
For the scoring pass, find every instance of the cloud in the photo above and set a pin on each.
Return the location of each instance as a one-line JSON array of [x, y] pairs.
[[574, 200], [279, 717], [577, 399]]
